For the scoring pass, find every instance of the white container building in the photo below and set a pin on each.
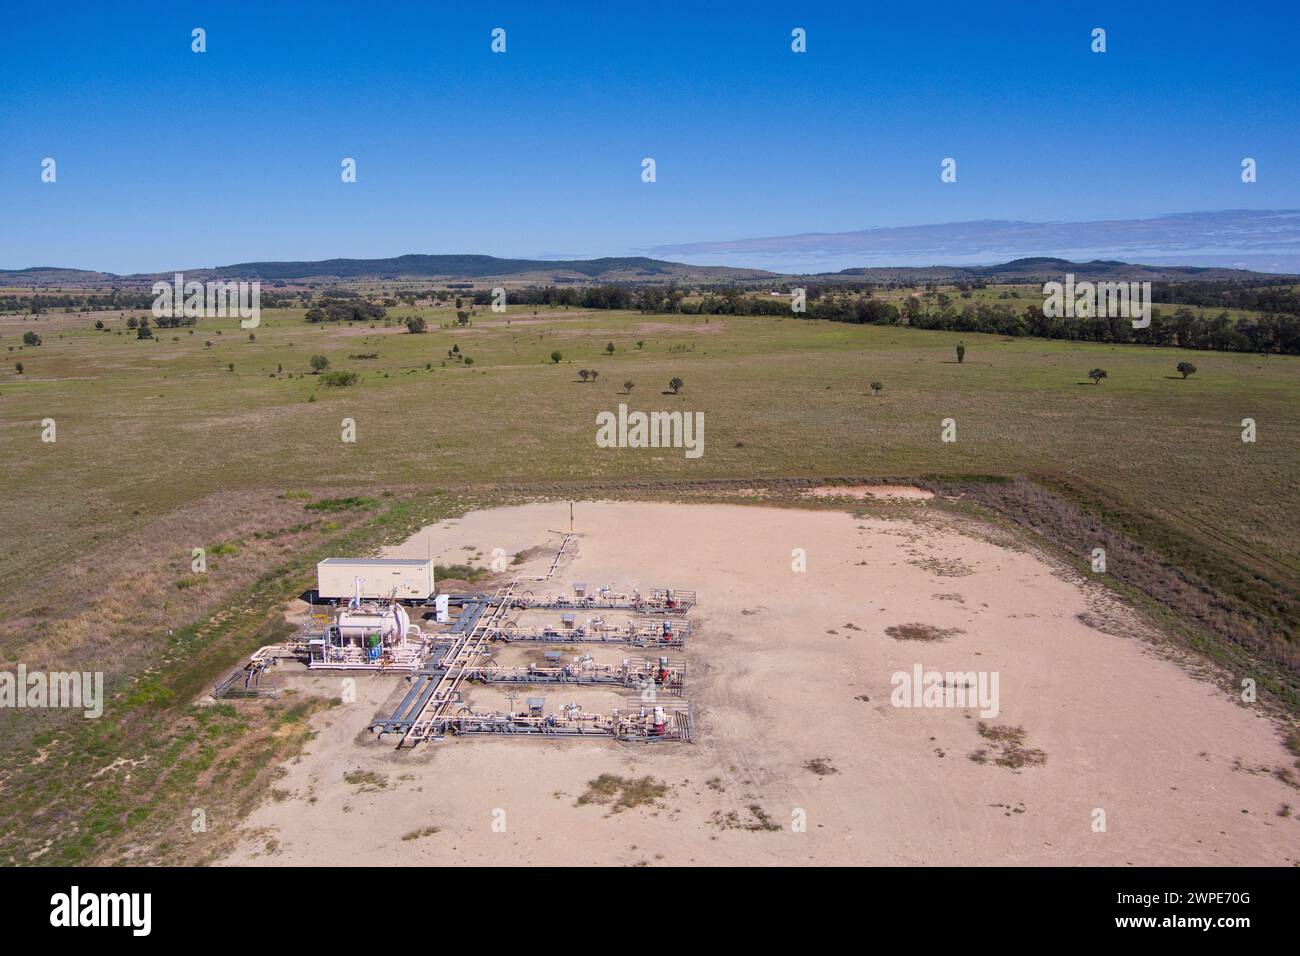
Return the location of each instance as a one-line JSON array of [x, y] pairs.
[[382, 579]]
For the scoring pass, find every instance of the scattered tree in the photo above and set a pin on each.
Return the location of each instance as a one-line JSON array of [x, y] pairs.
[[676, 384], [584, 374], [876, 387], [333, 309], [319, 363], [609, 348], [31, 338], [961, 352], [18, 367], [627, 387], [99, 324], [416, 324], [1097, 375], [1186, 368], [555, 358]]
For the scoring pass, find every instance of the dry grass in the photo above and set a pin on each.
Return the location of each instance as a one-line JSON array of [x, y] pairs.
[[1009, 743], [366, 781], [921, 632], [112, 603], [821, 766], [758, 820], [622, 793], [418, 834]]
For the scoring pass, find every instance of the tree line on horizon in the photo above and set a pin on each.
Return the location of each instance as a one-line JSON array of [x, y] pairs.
[[1277, 330]]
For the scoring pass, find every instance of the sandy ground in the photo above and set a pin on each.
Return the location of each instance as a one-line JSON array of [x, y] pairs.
[[861, 492], [789, 667]]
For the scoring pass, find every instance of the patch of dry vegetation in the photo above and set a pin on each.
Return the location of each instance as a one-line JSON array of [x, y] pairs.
[[418, 834], [366, 781], [921, 632], [944, 567], [1009, 743], [758, 820], [622, 793], [821, 766]]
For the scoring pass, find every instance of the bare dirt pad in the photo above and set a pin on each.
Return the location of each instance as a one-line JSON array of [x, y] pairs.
[[790, 676]]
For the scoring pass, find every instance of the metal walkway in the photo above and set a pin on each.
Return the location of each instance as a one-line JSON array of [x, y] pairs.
[[431, 699]]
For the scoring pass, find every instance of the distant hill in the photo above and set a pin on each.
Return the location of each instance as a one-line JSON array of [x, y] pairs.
[[1035, 266], [1034, 269], [460, 267], [53, 276], [633, 270]]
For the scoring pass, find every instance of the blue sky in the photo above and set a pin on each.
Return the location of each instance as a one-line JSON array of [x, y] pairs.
[[171, 159]]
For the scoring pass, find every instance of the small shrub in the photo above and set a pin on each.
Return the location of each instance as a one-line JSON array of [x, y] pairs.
[[624, 793], [340, 379]]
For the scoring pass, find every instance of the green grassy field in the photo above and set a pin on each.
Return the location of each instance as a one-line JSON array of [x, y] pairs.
[[145, 426]]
